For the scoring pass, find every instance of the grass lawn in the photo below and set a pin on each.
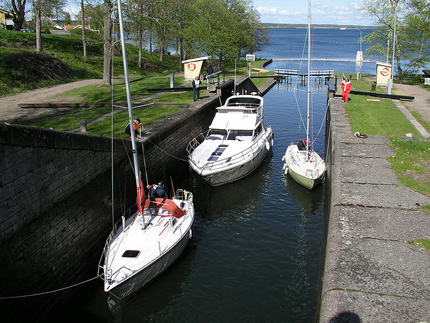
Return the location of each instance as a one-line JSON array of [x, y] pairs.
[[375, 116]]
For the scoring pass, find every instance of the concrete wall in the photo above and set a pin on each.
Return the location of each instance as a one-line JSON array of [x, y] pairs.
[[56, 201]]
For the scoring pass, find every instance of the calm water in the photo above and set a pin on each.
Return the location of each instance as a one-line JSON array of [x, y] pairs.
[[256, 250], [325, 43]]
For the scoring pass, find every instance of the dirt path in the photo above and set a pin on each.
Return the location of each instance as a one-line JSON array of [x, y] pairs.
[[421, 103], [9, 109]]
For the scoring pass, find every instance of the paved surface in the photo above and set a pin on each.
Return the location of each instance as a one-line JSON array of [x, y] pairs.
[[373, 272]]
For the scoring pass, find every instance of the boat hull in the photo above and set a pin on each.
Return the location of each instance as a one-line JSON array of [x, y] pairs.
[[303, 180], [141, 278], [240, 171], [307, 173]]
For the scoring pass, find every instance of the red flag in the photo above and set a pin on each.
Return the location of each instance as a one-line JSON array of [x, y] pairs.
[[140, 195]]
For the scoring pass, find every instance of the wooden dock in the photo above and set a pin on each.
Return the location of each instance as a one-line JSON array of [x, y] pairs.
[[321, 60]]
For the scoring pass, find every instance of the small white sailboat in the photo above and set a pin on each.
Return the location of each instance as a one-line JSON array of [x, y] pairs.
[[153, 237], [305, 166], [236, 143]]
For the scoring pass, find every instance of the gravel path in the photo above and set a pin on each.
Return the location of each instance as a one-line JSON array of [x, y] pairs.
[[9, 109]]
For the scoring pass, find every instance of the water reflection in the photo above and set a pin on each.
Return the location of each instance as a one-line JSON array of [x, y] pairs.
[[255, 251]]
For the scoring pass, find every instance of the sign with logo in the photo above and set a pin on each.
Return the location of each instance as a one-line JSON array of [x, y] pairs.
[[193, 67], [383, 73]]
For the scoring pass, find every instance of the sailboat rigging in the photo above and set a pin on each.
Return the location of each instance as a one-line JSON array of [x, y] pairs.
[[305, 166], [146, 243]]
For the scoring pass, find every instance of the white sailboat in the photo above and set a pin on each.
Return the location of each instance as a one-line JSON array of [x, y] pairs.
[[305, 166], [153, 237]]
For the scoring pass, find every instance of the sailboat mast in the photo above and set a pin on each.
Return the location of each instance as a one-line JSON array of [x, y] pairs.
[[127, 88], [309, 74]]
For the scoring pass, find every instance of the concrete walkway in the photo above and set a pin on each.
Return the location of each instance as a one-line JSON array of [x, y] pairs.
[[373, 271], [411, 118]]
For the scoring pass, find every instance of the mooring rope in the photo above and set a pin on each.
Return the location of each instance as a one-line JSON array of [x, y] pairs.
[[49, 292], [167, 153]]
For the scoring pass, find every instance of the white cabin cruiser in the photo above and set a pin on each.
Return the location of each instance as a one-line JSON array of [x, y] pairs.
[[236, 143]]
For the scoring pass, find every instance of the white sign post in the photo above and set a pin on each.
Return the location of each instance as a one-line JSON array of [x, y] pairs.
[[250, 58]]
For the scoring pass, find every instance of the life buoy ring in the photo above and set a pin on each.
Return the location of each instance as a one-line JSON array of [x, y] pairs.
[[385, 71], [191, 66]]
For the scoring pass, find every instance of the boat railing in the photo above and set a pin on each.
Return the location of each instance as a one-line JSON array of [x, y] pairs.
[[184, 195], [195, 142], [116, 230], [239, 157]]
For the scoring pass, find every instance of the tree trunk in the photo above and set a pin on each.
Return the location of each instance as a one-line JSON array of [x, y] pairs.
[[160, 48], [84, 44], [140, 44], [18, 13], [181, 53], [150, 44], [38, 22], [107, 48]]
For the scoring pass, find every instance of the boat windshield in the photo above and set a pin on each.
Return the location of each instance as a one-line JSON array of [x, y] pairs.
[[156, 211], [217, 134], [241, 135]]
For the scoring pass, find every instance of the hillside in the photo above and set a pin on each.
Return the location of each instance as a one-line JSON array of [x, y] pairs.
[[62, 61]]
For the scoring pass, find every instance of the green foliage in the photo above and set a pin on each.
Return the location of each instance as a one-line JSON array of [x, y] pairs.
[[62, 61], [412, 33], [221, 28]]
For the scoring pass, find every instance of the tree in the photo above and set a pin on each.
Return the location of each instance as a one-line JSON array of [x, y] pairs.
[[38, 21], [18, 12], [94, 15], [417, 33], [220, 28], [137, 22], [412, 32], [107, 42], [53, 8], [84, 44]]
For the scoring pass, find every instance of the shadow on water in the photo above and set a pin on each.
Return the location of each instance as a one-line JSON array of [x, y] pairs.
[[255, 254]]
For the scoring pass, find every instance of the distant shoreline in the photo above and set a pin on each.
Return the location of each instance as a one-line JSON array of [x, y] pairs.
[[268, 25]]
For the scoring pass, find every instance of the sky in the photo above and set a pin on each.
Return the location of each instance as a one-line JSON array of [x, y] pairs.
[[337, 12]]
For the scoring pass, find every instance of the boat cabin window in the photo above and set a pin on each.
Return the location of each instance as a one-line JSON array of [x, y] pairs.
[[131, 253], [156, 211], [217, 134], [258, 130], [245, 102], [241, 135]]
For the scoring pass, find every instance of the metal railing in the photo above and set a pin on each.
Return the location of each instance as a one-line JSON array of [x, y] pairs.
[[214, 79], [284, 71]]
